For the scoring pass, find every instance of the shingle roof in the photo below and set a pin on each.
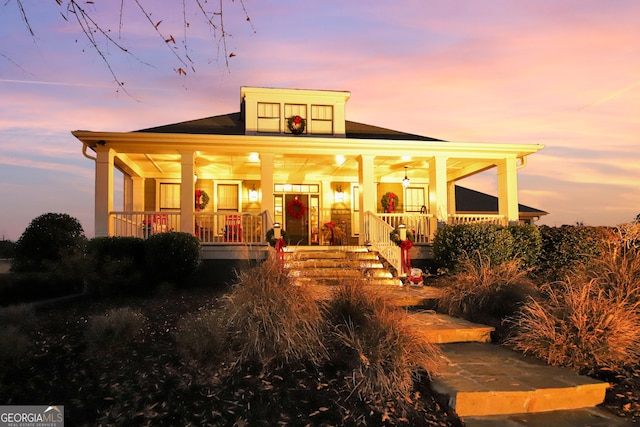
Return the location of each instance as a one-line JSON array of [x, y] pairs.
[[468, 200], [232, 124]]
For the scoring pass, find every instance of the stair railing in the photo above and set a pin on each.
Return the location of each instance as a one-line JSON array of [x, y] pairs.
[[378, 235]]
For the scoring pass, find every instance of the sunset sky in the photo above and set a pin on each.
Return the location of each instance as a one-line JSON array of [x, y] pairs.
[[563, 74]]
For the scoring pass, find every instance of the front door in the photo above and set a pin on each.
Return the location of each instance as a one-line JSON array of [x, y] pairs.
[[297, 218]]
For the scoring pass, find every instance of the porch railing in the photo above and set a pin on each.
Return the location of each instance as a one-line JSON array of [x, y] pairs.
[[210, 227], [418, 224], [378, 233], [475, 219], [144, 224]]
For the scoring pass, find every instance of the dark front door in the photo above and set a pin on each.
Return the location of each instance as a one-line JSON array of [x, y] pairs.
[[297, 218]]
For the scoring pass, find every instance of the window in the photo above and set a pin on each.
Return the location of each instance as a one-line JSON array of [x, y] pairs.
[[322, 119], [291, 110], [268, 117], [228, 197], [169, 196], [414, 199]]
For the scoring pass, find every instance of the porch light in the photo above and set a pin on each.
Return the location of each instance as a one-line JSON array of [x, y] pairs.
[[195, 178], [405, 181], [402, 230], [276, 230], [339, 195], [253, 194]]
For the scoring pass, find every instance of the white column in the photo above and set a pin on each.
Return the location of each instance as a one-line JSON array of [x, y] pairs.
[[187, 191], [327, 201], [438, 192], [266, 184], [104, 191], [508, 190], [367, 191]]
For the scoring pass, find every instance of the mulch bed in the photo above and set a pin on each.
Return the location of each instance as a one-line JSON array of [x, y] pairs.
[[148, 382]]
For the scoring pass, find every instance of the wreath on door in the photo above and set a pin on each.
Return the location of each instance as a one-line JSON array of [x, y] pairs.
[[296, 209]]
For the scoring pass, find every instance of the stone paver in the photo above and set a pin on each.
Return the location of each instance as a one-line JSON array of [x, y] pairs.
[[486, 379], [589, 417], [443, 329]]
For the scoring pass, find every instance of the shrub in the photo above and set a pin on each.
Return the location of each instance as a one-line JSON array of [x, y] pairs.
[[566, 248], [172, 256], [49, 239], [376, 341], [117, 327], [116, 266], [199, 335], [482, 292], [527, 243], [452, 243], [7, 248], [578, 325], [28, 287], [269, 320]]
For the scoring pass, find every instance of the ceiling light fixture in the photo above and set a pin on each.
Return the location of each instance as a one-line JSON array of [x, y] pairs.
[[405, 181]]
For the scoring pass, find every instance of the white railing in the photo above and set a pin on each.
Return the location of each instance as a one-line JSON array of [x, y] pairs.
[[378, 233], [417, 223], [475, 219], [213, 227], [144, 224], [231, 227]]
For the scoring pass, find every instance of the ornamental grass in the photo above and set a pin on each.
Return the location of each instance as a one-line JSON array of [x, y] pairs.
[[580, 325], [269, 320], [116, 328], [482, 292], [381, 349]]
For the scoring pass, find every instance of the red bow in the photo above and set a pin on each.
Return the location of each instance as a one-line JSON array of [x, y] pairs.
[[405, 256]]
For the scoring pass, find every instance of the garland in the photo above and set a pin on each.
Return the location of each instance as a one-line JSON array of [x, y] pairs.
[[296, 124], [395, 237], [389, 201], [201, 200], [296, 209]]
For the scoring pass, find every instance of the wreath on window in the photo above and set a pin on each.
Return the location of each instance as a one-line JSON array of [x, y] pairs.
[[296, 209], [202, 200], [389, 202], [296, 124]]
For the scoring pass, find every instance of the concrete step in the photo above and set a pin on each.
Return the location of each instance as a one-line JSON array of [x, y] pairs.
[[341, 273], [486, 379], [332, 263], [443, 329]]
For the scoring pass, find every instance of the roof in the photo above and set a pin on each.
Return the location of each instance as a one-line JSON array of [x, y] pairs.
[[232, 124], [468, 200]]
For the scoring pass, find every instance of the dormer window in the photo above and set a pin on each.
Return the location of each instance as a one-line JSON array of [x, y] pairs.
[[269, 117]]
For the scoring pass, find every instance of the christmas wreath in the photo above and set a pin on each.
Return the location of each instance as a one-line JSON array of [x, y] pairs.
[[296, 209], [271, 239], [296, 124], [389, 202], [201, 200], [395, 237]]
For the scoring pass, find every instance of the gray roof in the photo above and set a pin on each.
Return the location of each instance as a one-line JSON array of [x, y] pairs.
[[468, 200], [232, 124]]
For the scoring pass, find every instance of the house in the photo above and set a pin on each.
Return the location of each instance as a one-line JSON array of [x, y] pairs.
[[290, 158]]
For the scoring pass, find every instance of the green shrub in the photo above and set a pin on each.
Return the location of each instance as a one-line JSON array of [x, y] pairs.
[[48, 240], [117, 266], [117, 327], [527, 243], [7, 248], [578, 325], [453, 243], [200, 336], [381, 348], [173, 256], [483, 292], [271, 321], [568, 247]]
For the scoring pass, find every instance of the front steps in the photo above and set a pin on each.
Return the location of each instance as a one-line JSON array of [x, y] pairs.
[[486, 384]]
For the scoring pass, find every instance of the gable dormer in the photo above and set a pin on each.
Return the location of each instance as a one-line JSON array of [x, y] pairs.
[[268, 110]]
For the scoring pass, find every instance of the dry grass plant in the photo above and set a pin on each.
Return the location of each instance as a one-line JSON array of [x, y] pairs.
[[116, 327], [482, 291], [383, 349], [270, 320], [578, 325], [618, 273], [199, 335], [16, 322]]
